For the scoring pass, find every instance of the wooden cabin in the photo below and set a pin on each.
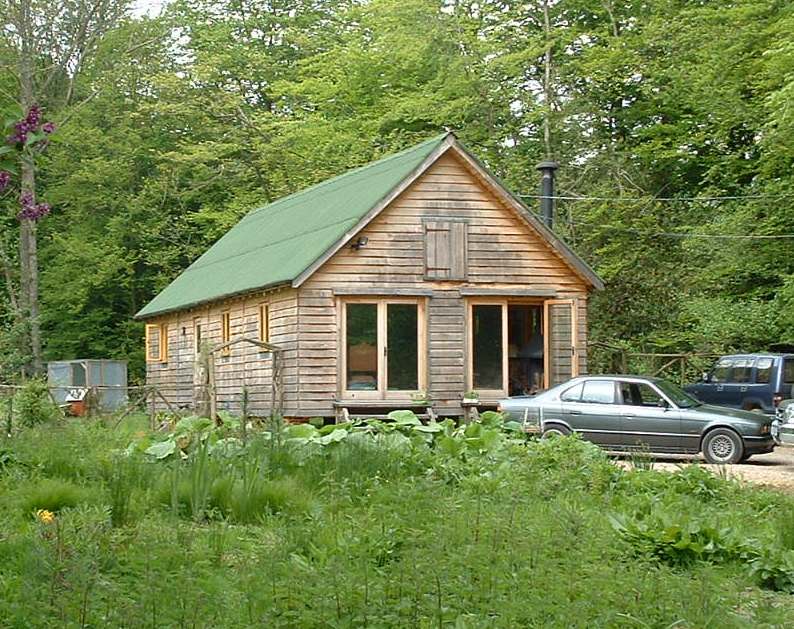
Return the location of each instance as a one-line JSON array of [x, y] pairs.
[[410, 282]]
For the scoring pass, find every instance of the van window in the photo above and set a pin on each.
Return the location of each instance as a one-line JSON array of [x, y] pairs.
[[742, 370], [763, 370], [599, 392], [721, 370], [788, 371]]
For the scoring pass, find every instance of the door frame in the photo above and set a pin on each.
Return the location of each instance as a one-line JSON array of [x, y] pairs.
[[505, 303], [574, 304], [382, 392]]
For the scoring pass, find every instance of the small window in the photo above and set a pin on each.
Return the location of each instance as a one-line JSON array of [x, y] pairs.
[[445, 250], [226, 332], [156, 342], [197, 336], [742, 370], [721, 370], [573, 394], [598, 392], [788, 371], [264, 323], [763, 370]]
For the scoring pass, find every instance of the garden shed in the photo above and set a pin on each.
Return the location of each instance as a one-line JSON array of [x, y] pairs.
[[416, 281], [68, 379]]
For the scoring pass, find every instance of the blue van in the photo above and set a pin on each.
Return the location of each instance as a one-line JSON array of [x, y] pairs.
[[747, 381]]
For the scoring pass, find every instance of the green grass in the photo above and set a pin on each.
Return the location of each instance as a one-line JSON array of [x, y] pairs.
[[378, 532]]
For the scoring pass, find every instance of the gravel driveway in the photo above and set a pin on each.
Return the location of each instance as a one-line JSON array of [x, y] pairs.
[[772, 470]]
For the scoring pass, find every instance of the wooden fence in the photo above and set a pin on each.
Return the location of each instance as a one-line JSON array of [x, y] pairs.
[[680, 368]]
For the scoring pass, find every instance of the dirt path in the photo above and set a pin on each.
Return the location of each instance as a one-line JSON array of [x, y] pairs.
[[774, 470]]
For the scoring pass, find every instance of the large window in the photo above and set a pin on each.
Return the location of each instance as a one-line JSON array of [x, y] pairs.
[[383, 347], [487, 346]]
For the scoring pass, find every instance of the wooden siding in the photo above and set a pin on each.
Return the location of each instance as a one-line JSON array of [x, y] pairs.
[[244, 365], [503, 253]]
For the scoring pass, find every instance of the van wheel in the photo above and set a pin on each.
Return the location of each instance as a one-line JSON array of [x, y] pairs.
[[554, 431], [722, 446]]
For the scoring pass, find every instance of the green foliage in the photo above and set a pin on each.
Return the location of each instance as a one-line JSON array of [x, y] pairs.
[[53, 495], [379, 526], [32, 403]]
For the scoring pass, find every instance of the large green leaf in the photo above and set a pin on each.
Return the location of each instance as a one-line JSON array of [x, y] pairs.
[[161, 450], [404, 418]]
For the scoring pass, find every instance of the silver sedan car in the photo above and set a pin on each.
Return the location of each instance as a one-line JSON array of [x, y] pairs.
[[631, 412]]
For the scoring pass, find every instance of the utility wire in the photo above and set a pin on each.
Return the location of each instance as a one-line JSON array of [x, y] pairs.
[[641, 232], [652, 199]]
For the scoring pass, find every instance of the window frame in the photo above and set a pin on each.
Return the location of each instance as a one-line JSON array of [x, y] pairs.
[[198, 330], [162, 342], [264, 322], [226, 331], [382, 392]]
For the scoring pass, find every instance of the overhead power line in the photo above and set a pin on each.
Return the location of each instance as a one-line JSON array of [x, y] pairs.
[[652, 198], [657, 234]]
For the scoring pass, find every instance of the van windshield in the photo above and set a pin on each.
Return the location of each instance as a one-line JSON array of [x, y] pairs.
[[680, 398]]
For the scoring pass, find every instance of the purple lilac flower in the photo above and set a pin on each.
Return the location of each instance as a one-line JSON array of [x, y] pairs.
[[33, 117], [48, 127], [5, 179]]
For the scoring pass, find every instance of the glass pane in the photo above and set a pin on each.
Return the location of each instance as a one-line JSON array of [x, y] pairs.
[[362, 347], [487, 350], [742, 368], [720, 373], [403, 343], [78, 374], [788, 371], [763, 370], [573, 394], [599, 392]]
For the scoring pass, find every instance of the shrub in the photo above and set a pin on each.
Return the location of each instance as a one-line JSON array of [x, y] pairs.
[[33, 404], [53, 494]]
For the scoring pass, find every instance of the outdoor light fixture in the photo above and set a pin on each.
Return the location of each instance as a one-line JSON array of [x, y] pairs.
[[361, 242]]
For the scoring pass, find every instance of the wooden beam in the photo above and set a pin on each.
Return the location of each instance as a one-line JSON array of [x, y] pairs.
[[383, 292], [507, 292]]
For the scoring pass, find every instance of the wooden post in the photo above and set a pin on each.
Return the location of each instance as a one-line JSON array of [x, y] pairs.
[[153, 409], [212, 392], [244, 414], [10, 415]]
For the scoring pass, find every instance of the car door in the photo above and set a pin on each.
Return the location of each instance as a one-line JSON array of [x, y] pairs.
[[738, 384], [592, 412], [647, 419], [712, 388]]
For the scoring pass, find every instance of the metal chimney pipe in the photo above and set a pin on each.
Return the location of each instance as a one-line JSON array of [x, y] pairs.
[[547, 169]]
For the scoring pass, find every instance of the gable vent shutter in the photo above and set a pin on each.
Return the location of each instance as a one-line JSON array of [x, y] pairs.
[[445, 250]]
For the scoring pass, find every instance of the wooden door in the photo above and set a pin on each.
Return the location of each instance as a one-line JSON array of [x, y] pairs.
[[562, 358]]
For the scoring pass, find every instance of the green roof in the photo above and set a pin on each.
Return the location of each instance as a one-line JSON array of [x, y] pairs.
[[274, 244]]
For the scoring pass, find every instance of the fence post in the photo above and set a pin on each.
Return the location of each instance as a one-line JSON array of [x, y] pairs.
[[153, 409]]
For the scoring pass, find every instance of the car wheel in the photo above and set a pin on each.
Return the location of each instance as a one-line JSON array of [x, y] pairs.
[[554, 431], [722, 446]]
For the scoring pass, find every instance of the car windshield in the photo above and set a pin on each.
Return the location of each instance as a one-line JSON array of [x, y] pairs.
[[679, 397]]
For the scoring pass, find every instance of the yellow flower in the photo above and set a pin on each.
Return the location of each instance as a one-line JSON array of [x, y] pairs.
[[45, 517]]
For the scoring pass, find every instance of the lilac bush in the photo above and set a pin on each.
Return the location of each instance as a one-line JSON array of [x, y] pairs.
[[29, 132]]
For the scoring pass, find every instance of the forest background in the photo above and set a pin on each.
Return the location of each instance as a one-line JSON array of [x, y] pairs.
[[169, 128]]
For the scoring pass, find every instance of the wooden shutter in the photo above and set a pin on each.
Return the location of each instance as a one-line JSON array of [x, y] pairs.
[[562, 362], [445, 250]]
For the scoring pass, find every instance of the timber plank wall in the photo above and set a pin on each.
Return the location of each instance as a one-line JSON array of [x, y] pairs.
[[503, 253]]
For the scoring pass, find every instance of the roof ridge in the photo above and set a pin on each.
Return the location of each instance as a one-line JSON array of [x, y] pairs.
[[357, 169]]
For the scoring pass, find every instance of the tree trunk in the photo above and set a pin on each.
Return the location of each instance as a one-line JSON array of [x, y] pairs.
[[28, 246], [547, 87]]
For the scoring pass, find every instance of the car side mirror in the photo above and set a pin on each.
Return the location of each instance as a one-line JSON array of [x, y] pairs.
[[705, 376], [662, 403]]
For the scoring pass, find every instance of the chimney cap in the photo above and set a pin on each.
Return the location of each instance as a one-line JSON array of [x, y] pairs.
[[547, 165]]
